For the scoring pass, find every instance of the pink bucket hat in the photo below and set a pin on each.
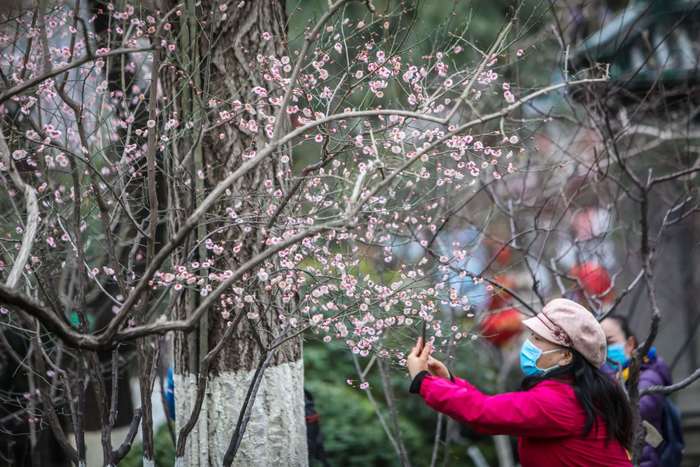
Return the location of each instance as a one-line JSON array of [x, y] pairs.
[[566, 323]]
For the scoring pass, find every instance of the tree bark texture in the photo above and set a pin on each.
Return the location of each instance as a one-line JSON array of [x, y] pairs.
[[223, 63]]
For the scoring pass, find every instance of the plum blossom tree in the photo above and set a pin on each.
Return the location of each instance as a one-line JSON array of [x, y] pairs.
[[179, 170]]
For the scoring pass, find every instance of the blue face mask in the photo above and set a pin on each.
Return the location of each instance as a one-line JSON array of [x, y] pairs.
[[529, 354], [616, 354]]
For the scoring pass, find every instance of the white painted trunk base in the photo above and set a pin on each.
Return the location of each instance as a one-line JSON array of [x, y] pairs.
[[276, 433]]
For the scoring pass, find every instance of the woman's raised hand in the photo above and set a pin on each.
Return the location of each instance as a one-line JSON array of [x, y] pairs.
[[437, 368], [417, 359]]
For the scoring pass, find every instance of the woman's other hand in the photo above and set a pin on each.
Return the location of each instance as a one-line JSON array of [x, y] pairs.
[[417, 359], [437, 368]]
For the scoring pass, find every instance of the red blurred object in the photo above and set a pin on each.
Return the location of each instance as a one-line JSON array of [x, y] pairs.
[[504, 255], [594, 279], [501, 326], [503, 252], [500, 297]]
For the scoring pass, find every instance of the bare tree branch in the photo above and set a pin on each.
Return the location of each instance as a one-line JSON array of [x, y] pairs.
[[665, 390]]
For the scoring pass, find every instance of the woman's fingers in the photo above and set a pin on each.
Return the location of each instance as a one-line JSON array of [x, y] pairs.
[[420, 350], [417, 348], [425, 352]]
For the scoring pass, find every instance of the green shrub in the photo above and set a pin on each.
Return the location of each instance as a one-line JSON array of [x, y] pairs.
[[352, 433], [164, 455]]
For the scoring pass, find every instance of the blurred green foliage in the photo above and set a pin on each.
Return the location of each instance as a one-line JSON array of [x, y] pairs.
[[419, 28], [352, 434], [164, 455]]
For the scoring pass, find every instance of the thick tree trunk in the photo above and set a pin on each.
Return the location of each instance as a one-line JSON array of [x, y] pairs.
[[276, 433]]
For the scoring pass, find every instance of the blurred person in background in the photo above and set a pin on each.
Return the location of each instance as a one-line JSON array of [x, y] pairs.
[[664, 441]]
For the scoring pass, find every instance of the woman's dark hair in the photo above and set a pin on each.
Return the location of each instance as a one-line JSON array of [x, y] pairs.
[[599, 395], [624, 325]]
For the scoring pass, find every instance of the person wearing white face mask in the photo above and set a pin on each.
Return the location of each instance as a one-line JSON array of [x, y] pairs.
[[568, 413]]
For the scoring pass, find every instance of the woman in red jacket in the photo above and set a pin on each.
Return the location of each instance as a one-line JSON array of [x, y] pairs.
[[568, 413]]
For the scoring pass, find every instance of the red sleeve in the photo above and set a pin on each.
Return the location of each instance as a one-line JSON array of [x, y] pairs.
[[544, 411], [463, 383]]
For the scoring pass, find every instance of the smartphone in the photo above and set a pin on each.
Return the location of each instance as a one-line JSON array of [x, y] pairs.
[[425, 325]]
